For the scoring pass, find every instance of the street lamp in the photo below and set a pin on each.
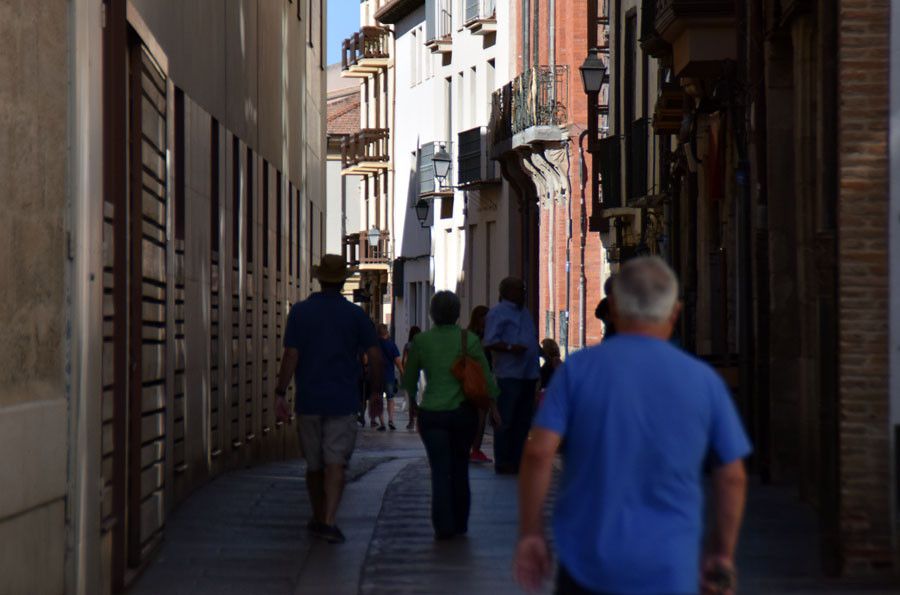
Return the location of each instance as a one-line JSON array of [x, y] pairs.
[[593, 72], [373, 235], [441, 162], [422, 211]]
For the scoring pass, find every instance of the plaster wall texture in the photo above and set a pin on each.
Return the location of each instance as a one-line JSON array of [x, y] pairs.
[[33, 269]]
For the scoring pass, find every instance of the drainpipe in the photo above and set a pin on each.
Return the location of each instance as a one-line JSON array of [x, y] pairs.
[[551, 262], [581, 279]]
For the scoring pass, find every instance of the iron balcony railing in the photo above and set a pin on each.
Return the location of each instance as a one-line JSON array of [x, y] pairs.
[[480, 9], [370, 43], [369, 146], [537, 97]]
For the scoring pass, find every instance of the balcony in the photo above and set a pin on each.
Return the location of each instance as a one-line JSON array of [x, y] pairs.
[[366, 152], [366, 52], [359, 253], [439, 26], [481, 17], [651, 42], [702, 33], [475, 167], [531, 108]]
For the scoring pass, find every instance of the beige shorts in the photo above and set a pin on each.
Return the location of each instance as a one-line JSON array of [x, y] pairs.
[[326, 439]]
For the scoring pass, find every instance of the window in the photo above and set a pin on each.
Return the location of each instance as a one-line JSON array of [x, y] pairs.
[[298, 227], [473, 97], [214, 186], [279, 223], [250, 244], [290, 228], [311, 231], [413, 57], [265, 213], [488, 251], [236, 196], [180, 148]]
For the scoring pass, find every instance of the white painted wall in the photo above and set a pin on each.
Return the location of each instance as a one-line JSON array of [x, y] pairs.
[[456, 247]]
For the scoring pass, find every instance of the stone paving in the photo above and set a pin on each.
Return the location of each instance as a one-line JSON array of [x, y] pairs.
[[245, 533]]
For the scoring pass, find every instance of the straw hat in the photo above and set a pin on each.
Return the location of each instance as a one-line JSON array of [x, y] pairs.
[[332, 269]]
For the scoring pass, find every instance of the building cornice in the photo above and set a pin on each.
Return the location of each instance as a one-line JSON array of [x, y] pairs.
[[393, 11]]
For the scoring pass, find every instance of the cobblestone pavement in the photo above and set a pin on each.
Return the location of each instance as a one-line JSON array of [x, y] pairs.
[[245, 533]]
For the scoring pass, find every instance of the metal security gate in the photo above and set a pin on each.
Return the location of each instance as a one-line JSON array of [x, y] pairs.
[[148, 296]]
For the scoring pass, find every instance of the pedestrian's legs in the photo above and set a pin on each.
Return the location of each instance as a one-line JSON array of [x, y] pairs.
[[333, 490], [436, 438], [465, 423], [315, 485], [522, 414], [479, 432], [506, 403]]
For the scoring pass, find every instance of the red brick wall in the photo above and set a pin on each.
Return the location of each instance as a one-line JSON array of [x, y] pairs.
[[865, 516]]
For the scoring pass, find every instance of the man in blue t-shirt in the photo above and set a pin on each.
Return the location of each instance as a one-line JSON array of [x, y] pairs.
[[324, 339], [637, 418], [390, 356]]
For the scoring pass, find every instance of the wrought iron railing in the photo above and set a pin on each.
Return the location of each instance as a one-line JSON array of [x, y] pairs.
[[537, 97], [367, 146], [370, 43]]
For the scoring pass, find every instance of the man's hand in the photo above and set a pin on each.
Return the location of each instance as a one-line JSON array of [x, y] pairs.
[[532, 564], [282, 409], [517, 349], [718, 575]]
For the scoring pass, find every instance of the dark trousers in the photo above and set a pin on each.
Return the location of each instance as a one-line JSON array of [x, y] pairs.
[[447, 436], [516, 406]]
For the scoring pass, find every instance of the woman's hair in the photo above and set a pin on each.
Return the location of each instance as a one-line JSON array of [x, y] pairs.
[[550, 348], [413, 331], [476, 318], [445, 308]]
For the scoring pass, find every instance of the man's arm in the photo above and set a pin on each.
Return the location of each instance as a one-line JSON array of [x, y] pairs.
[[729, 492], [532, 562], [288, 367], [399, 363]]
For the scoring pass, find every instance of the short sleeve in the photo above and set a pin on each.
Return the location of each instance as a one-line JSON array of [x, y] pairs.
[[728, 440], [367, 336], [395, 352], [553, 413], [292, 328]]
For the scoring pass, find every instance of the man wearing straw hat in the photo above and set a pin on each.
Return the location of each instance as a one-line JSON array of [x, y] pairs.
[[325, 337]]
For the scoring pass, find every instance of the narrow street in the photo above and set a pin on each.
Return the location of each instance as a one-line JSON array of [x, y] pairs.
[[244, 533]]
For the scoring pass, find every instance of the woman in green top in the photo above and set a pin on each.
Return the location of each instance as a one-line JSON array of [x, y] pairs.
[[447, 422]]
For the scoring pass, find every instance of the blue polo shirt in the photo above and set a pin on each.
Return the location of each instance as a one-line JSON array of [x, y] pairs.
[[508, 323], [330, 334], [639, 417]]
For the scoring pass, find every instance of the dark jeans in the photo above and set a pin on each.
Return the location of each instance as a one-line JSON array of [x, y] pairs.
[[447, 436], [516, 406]]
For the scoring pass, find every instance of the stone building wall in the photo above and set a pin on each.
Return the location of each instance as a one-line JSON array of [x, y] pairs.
[[33, 151]]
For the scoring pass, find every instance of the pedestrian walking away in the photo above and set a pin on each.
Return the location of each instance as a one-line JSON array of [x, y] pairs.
[[638, 419], [410, 397], [511, 338], [324, 338], [477, 321], [447, 421], [391, 357]]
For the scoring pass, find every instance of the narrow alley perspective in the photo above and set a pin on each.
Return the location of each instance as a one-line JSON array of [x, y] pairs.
[[476, 297]]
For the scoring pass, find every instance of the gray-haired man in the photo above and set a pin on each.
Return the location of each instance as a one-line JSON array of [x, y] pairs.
[[638, 417]]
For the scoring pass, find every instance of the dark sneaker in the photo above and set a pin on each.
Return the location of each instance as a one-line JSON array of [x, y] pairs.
[[381, 428], [331, 534], [478, 456], [372, 423], [411, 425], [392, 426]]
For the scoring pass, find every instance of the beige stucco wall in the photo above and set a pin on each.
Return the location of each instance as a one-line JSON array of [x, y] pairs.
[[33, 152]]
